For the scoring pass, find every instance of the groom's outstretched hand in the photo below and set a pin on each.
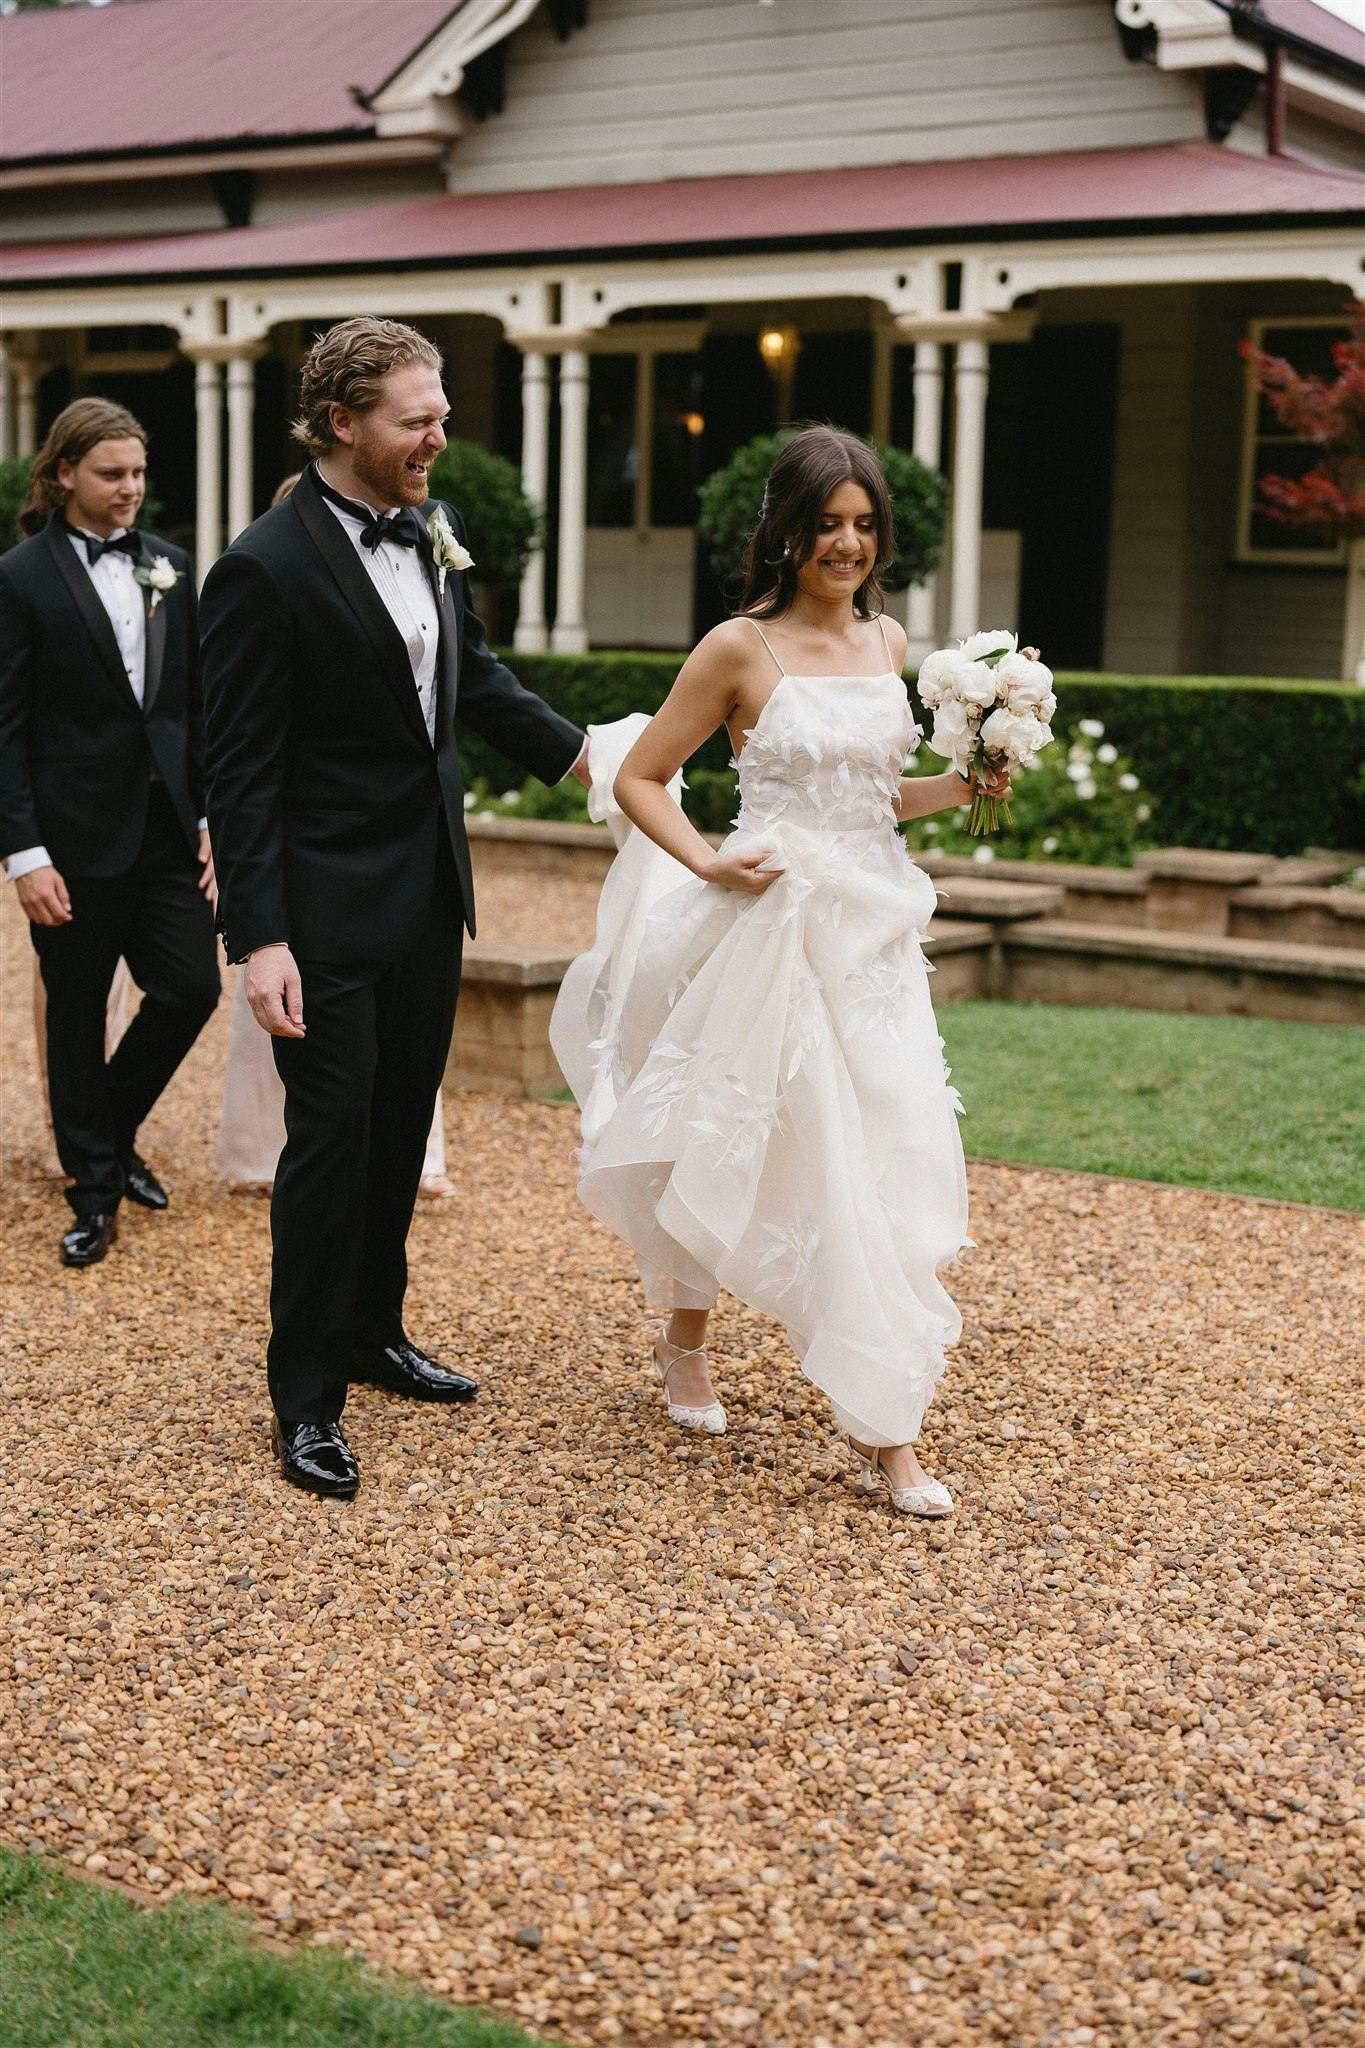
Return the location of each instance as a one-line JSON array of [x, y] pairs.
[[275, 991]]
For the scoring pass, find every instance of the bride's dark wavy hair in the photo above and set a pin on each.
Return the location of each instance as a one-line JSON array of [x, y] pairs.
[[814, 462]]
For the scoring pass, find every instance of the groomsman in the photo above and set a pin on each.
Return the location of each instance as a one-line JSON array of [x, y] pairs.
[[102, 797]]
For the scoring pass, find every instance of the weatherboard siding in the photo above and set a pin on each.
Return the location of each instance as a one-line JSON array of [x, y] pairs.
[[686, 88]]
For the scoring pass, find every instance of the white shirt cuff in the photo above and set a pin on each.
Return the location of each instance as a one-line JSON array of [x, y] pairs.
[[578, 761], [24, 863], [202, 826]]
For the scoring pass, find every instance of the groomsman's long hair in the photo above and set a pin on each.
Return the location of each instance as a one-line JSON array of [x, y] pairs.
[[347, 366], [813, 463], [77, 428]]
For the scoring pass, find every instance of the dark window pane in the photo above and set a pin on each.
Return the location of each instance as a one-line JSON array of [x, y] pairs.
[[679, 434], [1309, 349], [1292, 459], [612, 460], [834, 380]]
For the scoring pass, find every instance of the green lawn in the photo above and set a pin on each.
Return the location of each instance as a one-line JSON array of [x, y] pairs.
[[82, 1968], [1239, 1103]]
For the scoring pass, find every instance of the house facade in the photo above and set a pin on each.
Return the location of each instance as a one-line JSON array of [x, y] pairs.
[[1024, 240]]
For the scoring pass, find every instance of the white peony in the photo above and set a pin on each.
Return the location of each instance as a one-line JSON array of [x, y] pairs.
[[935, 676], [997, 641], [1027, 683], [1017, 738], [950, 720], [1046, 709], [974, 683]]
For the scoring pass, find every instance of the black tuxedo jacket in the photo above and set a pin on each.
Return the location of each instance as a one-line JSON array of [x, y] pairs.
[[76, 748], [325, 794]]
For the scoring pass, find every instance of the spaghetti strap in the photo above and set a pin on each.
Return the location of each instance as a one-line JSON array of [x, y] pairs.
[[886, 645], [768, 644]]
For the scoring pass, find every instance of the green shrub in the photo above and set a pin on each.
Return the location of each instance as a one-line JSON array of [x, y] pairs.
[[503, 524], [1246, 764], [13, 486], [1241, 763], [559, 803], [731, 498], [1079, 803]]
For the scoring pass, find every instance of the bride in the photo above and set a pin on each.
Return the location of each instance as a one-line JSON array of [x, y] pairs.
[[751, 1040]]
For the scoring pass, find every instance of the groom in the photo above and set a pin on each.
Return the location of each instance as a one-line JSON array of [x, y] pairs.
[[339, 653]]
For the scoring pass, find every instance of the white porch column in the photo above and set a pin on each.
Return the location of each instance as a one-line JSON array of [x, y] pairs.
[[208, 456], [6, 437], [570, 634], [927, 445], [530, 635], [970, 371], [241, 406], [25, 371]]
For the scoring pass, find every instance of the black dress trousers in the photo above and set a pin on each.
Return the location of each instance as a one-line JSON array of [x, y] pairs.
[[155, 917], [360, 1090]]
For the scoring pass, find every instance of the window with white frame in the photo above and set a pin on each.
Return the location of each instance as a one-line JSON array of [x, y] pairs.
[[1269, 449]]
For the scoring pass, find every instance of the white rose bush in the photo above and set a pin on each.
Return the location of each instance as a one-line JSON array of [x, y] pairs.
[[990, 704]]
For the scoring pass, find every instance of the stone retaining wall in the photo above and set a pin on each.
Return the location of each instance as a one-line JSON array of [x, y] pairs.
[[1025, 932]]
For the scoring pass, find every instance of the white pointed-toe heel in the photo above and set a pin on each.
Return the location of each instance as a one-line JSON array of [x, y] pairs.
[[932, 1500], [711, 1418]]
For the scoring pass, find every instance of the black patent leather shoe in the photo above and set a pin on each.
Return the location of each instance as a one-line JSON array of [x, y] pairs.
[[403, 1369], [317, 1457], [140, 1184], [89, 1238]]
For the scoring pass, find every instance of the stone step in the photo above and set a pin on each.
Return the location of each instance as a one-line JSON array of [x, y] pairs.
[[1304, 917], [1000, 901], [1047, 960]]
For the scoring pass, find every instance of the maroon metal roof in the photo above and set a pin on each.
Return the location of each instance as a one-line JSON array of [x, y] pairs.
[[145, 75], [1315, 25], [1185, 184]]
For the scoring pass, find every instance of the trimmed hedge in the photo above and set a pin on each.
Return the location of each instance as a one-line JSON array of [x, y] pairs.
[[1244, 763]]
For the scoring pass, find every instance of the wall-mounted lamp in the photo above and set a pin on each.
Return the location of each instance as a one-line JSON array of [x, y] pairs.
[[777, 346], [694, 422]]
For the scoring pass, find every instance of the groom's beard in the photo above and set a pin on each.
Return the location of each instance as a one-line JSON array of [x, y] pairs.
[[386, 477]]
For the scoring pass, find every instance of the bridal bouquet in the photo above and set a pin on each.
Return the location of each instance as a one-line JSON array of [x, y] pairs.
[[990, 703]]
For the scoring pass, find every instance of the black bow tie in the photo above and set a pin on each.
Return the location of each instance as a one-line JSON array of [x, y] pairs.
[[404, 527], [126, 544]]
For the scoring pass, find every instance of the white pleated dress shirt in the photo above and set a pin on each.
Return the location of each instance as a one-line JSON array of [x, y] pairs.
[[400, 576]]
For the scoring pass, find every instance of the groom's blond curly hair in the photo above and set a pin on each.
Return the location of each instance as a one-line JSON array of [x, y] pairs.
[[347, 366]]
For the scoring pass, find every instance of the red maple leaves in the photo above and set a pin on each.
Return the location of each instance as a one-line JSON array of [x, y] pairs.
[[1329, 500]]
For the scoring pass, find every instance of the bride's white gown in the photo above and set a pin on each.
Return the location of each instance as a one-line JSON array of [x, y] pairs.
[[765, 1102]]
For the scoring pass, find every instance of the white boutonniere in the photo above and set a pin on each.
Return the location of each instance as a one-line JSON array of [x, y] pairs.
[[445, 549], [161, 577]]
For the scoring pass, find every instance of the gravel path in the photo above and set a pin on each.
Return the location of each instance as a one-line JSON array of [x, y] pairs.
[[653, 1741]]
